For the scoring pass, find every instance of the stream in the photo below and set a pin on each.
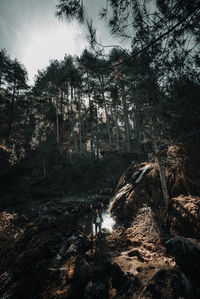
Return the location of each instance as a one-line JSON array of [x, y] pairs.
[[108, 222]]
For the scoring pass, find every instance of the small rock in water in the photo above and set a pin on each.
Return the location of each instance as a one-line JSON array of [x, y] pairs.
[[72, 248], [72, 238], [66, 213], [58, 257]]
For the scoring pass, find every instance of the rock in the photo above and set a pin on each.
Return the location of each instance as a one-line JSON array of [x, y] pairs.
[[66, 213], [72, 238], [95, 290], [72, 248], [124, 283], [136, 252], [187, 256], [5, 278], [88, 289], [135, 189], [165, 284], [186, 284], [118, 206]]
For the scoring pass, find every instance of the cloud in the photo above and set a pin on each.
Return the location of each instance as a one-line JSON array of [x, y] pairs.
[[30, 32], [52, 42]]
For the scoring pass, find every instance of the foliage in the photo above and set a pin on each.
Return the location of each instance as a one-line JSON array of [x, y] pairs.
[[139, 100]]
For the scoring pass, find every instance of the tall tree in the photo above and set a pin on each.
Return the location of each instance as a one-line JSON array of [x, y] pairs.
[[4, 66]]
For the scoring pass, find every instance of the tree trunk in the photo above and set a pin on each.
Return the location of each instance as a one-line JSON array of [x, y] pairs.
[[163, 182], [18, 93], [137, 124], [72, 96], [80, 125], [0, 77], [13, 96], [75, 142], [126, 121], [57, 122], [61, 102], [107, 122], [92, 143], [97, 144], [80, 140], [117, 128], [91, 117], [67, 94], [44, 166], [106, 112], [162, 174]]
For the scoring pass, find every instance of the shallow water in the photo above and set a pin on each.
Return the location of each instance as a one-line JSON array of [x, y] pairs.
[[108, 221]]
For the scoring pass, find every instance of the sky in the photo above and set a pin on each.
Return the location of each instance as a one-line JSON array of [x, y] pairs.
[[30, 32]]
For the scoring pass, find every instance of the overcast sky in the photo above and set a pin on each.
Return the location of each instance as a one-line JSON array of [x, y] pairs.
[[30, 32]]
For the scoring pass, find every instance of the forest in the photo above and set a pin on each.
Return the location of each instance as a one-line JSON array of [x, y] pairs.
[[118, 126]]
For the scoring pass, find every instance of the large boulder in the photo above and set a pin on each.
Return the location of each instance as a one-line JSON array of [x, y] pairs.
[[187, 255], [140, 184], [166, 283], [137, 186]]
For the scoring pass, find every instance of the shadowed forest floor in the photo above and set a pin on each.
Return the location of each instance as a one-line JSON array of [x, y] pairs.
[[48, 256], [48, 249]]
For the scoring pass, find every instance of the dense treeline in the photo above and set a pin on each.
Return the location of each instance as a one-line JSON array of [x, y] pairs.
[[124, 99], [160, 74], [98, 106], [93, 106], [139, 100], [13, 106], [157, 82]]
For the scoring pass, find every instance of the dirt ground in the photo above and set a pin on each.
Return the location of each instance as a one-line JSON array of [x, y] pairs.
[[51, 256], [49, 251]]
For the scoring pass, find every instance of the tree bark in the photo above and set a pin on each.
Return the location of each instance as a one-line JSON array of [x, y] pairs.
[[61, 102], [72, 97], [106, 112], [0, 77], [162, 174], [80, 125], [126, 120], [57, 122], [90, 117], [44, 166], [75, 142], [117, 128], [163, 183]]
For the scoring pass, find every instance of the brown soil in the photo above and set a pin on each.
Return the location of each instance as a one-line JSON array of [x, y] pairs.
[[127, 263]]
